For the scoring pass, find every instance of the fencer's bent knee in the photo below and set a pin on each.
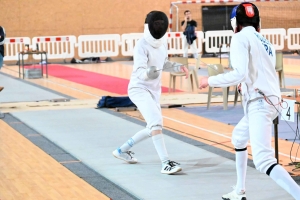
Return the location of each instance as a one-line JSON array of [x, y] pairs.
[[157, 127], [155, 124], [239, 138], [264, 166], [156, 132], [270, 169], [239, 144], [241, 149]]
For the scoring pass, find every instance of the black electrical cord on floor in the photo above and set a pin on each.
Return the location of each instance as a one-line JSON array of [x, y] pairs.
[[296, 134]]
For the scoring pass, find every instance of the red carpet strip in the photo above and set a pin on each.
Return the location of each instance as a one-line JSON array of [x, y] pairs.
[[107, 83]]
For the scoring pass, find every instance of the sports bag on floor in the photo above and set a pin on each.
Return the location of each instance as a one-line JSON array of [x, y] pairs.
[[113, 102]]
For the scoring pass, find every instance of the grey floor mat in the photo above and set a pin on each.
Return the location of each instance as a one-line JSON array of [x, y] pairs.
[[19, 90], [286, 130], [90, 135]]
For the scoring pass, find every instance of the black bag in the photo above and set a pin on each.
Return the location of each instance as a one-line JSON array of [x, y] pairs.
[[113, 102]]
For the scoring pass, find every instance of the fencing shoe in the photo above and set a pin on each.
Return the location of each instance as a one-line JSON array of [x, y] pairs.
[[126, 156], [170, 167], [235, 196]]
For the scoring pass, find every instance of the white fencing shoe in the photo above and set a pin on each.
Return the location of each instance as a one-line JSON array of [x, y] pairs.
[[126, 156], [170, 167], [235, 196]]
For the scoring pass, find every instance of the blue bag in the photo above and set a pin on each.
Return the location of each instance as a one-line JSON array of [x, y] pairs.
[[113, 102], [190, 34]]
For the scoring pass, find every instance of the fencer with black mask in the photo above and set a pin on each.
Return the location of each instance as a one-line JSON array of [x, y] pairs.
[[253, 61], [144, 89]]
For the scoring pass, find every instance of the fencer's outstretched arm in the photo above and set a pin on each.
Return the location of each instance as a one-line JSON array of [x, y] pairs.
[[175, 67], [239, 64], [172, 66]]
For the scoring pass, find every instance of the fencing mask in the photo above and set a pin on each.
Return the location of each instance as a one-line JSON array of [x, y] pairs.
[[245, 14], [156, 25]]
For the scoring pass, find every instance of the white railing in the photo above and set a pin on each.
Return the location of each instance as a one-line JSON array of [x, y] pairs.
[[128, 42], [14, 45], [108, 45], [276, 36], [98, 45], [293, 38], [57, 47], [175, 42], [214, 39]]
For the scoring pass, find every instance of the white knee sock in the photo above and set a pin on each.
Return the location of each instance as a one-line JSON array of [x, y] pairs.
[[282, 178], [138, 137], [159, 143], [241, 158]]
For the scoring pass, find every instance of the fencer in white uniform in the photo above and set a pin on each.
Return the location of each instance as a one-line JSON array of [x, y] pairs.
[[253, 60], [144, 89]]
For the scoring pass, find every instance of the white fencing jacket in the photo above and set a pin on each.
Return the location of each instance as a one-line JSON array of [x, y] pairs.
[[253, 60], [150, 52]]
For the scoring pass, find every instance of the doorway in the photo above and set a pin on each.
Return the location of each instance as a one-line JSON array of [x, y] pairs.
[[216, 18]]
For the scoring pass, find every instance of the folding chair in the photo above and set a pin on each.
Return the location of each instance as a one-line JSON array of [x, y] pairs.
[[192, 74]]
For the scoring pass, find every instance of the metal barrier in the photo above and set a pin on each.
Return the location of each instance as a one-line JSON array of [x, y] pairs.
[[98, 45], [175, 45], [128, 43], [293, 38], [107, 45], [276, 36], [13, 46], [57, 47], [175, 42], [213, 40]]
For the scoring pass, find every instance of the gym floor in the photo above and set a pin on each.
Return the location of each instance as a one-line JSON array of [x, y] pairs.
[[55, 144]]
